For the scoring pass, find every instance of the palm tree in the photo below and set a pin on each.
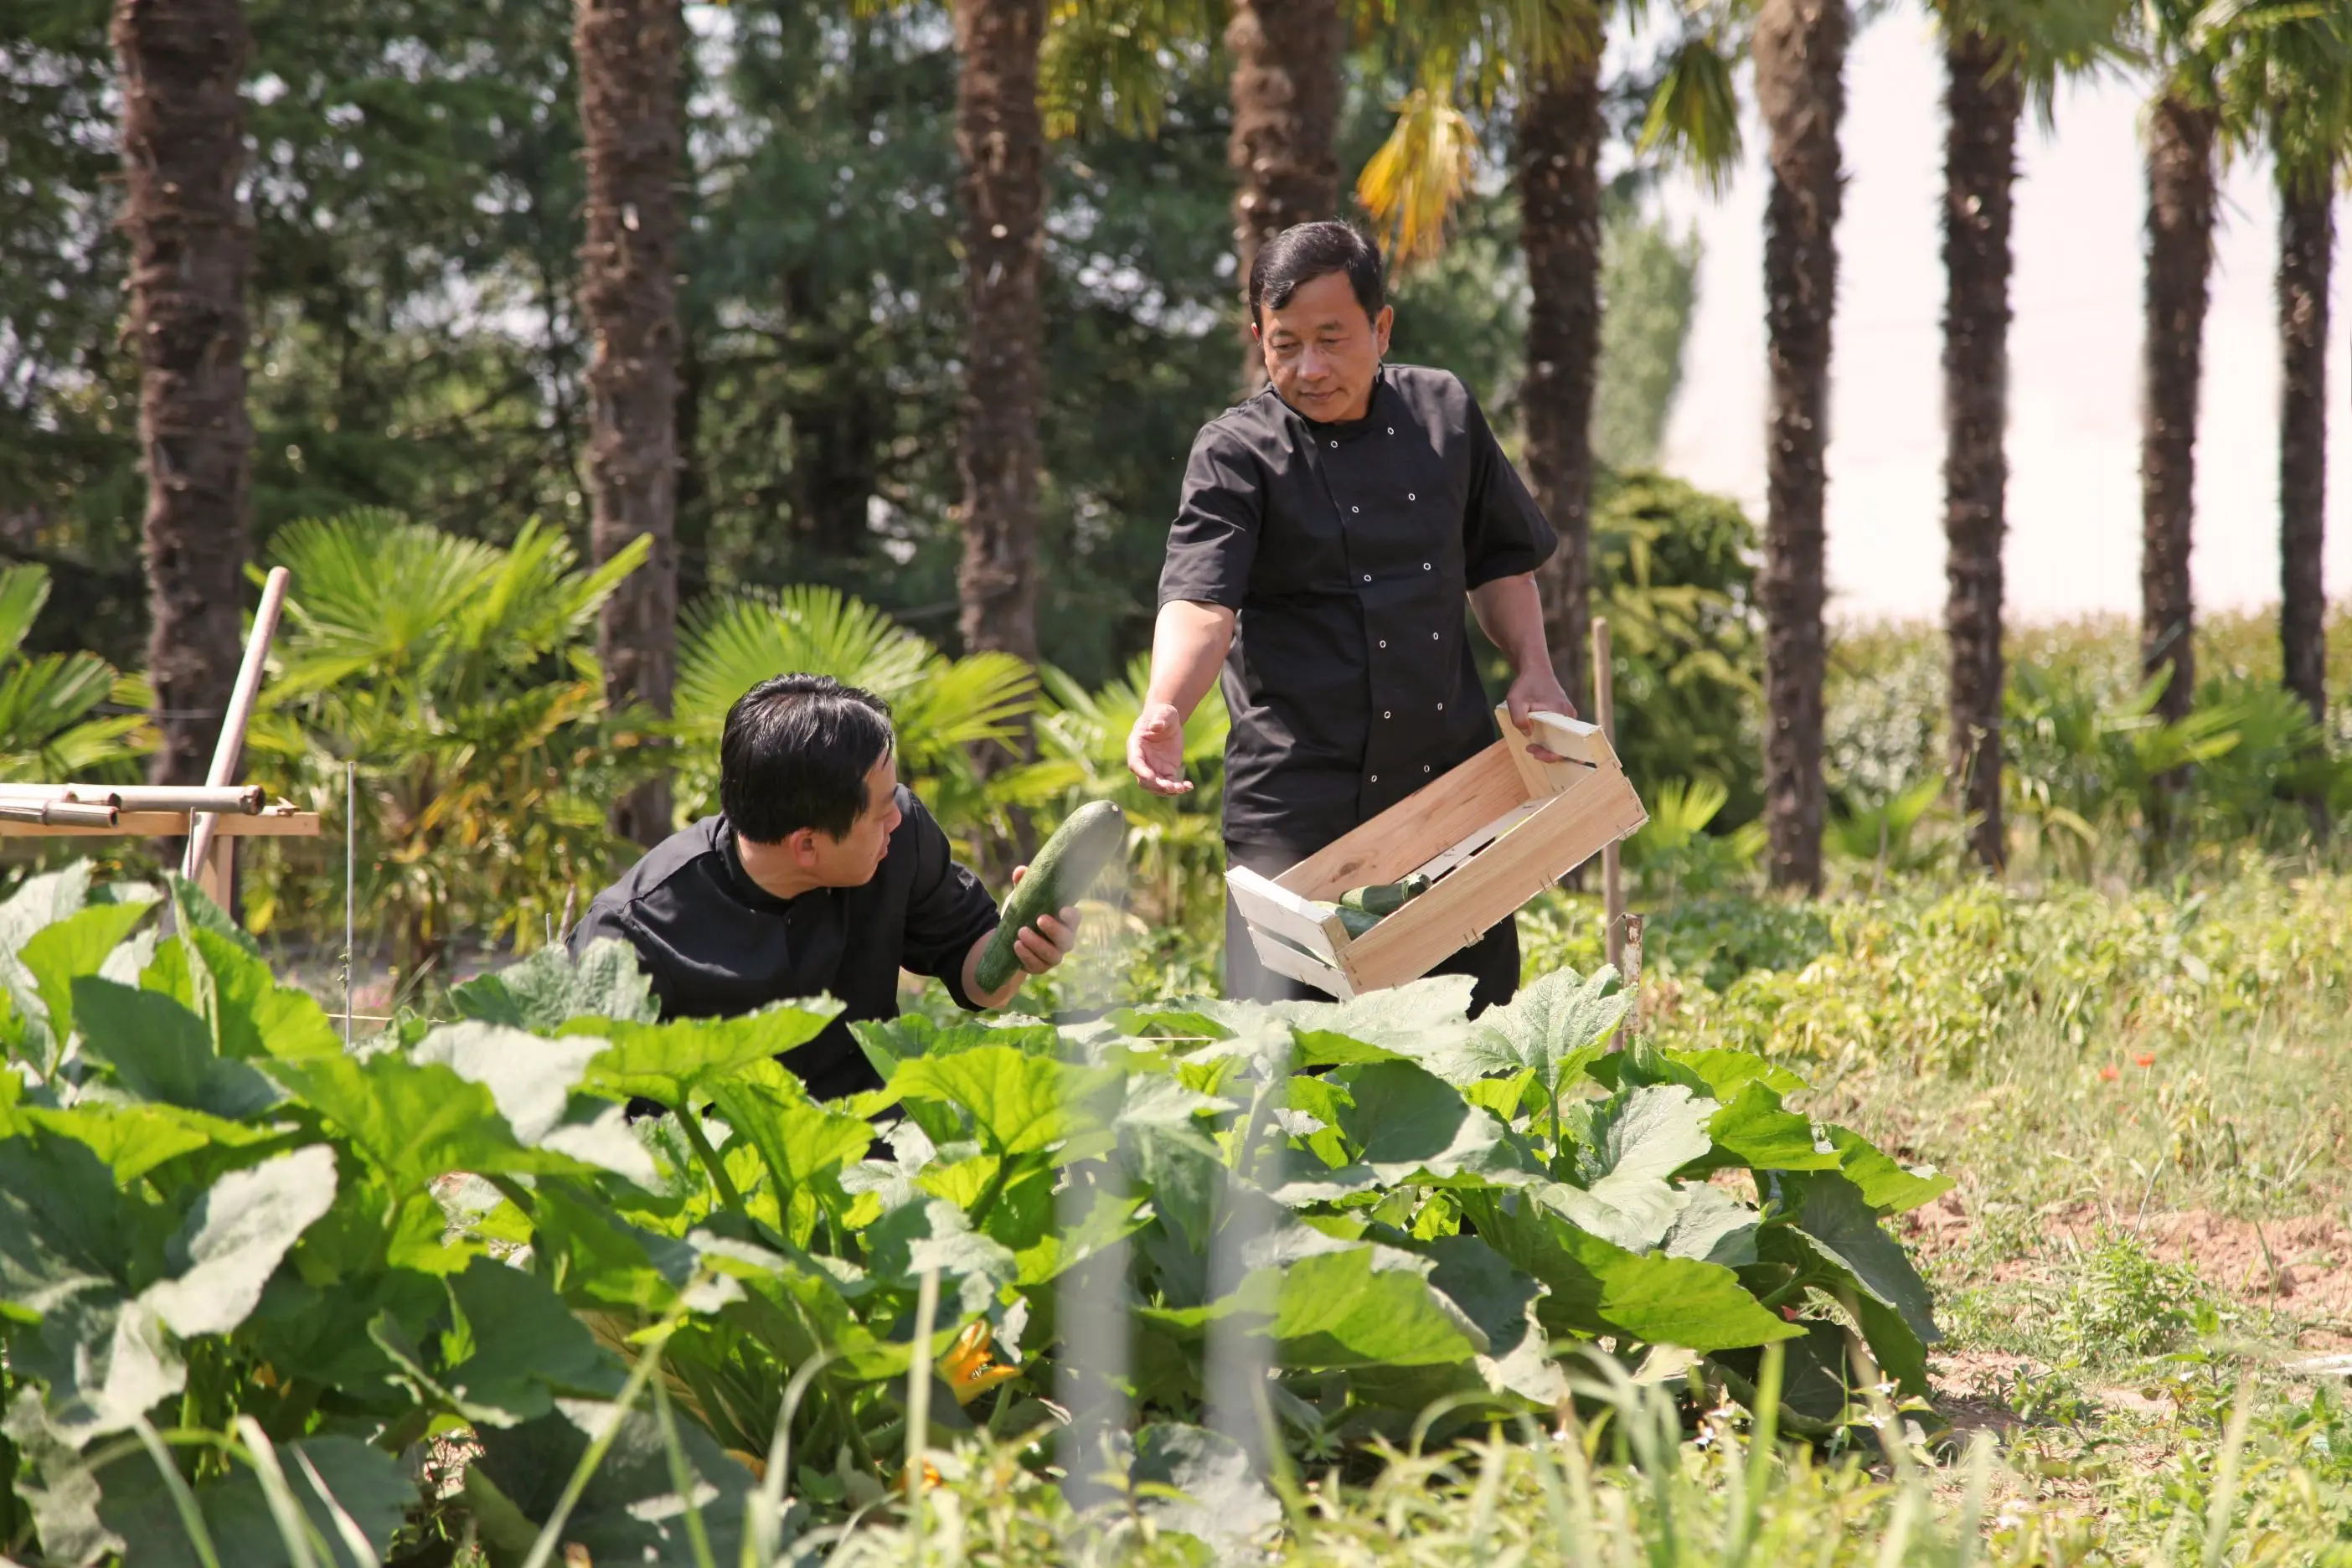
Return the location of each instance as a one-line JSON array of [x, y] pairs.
[[1996, 54], [191, 248], [1285, 102], [628, 54], [1551, 49], [1000, 134], [2183, 137], [2289, 88], [1799, 50], [1556, 170]]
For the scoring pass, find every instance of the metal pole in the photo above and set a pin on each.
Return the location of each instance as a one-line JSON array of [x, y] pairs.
[[1613, 874], [231, 745]]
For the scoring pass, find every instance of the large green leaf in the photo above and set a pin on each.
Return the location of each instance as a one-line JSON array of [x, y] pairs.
[[232, 1240], [594, 1255], [1597, 1287], [134, 1139], [550, 988], [1501, 1301], [932, 1233], [417, 1121], [531, 1080], [670, 1063], [158, 1050], [1557, 1025], [1411, 1125], [1646, 1133], [799, 1141], [103, 1362], [220, 980], [505, 1349], [1885, 1186], [1753, 1129], [886, 1042], [335, 1480], [58, 954], [1423, 1018], [1836, 1225], [63, 1230], [1336, 1304], [630, 1512], [1199, 1483], [1018, 1103]]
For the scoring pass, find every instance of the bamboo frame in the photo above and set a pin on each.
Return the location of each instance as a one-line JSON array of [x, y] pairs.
[[1494, 832]]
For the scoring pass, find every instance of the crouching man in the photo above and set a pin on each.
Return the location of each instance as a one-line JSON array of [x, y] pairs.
[[822, 875]]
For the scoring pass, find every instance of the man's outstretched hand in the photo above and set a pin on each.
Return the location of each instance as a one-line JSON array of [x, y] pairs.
[[1155, 750], [1047, 939]]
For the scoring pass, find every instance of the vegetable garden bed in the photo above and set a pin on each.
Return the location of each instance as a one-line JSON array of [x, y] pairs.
[[246, 1270]]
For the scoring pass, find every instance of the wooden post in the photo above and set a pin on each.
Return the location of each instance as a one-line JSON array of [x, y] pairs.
[[1613, 875], [210, 860]]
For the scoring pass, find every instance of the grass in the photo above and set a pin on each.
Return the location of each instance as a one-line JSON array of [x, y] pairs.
[[2148, 1260]]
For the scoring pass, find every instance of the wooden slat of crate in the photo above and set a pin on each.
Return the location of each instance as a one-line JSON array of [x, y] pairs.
[[1445, 861], [1570, 830], [1271, 906], [1288, 961], [1426, 822]]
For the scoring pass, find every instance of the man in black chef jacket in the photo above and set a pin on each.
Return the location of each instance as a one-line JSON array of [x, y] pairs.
[[822, 875], [1329, 530]]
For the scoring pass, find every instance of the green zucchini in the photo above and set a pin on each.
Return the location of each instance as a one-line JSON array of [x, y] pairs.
[[1059, 876], [1385, 898]]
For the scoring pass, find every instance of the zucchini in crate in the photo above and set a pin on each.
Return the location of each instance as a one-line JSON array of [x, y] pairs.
[[1361, 909], [1060, 875]]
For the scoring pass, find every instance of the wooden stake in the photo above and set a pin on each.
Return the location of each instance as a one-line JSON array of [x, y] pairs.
[[1613, 875], [230, 749]]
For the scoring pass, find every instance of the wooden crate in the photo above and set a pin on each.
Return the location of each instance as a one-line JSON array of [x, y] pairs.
[[1491, 833]]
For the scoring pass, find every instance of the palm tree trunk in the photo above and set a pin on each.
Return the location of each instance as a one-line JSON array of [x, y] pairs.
[[1982, 102], [2180, 195], [2307, 255], [1001, 139], [1558, 173], [1800, 51], [1286, 103], [191, 250], [627, 52]]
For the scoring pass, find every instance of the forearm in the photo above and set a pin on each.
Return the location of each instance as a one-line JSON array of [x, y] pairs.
[[1188, 647], [1510, 612], [987, 1001]]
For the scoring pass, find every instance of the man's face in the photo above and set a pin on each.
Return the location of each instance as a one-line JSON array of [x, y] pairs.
[[1322, 352], [851, 860]]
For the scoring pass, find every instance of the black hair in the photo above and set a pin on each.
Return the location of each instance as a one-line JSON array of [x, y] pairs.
[[1304, 252], [796, 754]]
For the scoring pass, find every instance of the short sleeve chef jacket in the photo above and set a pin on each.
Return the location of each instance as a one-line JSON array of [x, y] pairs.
[[1345, 550], [716, 944]]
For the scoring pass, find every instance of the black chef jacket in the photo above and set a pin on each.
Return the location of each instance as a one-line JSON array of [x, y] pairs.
[[1344, 551], [716, 944]]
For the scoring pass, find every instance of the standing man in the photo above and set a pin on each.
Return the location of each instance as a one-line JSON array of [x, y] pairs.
[[1329, 530], [821, 875]]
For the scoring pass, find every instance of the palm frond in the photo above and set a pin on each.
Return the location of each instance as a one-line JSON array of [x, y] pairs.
[[1111, 65], [22, 591], [729, 645], [1410, 185], [1694, 113]]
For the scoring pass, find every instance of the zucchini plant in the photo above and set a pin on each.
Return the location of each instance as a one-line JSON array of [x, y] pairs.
[[248, 1275]]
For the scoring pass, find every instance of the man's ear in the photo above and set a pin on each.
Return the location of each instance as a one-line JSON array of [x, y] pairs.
[[802, 843], [1382, 324]]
